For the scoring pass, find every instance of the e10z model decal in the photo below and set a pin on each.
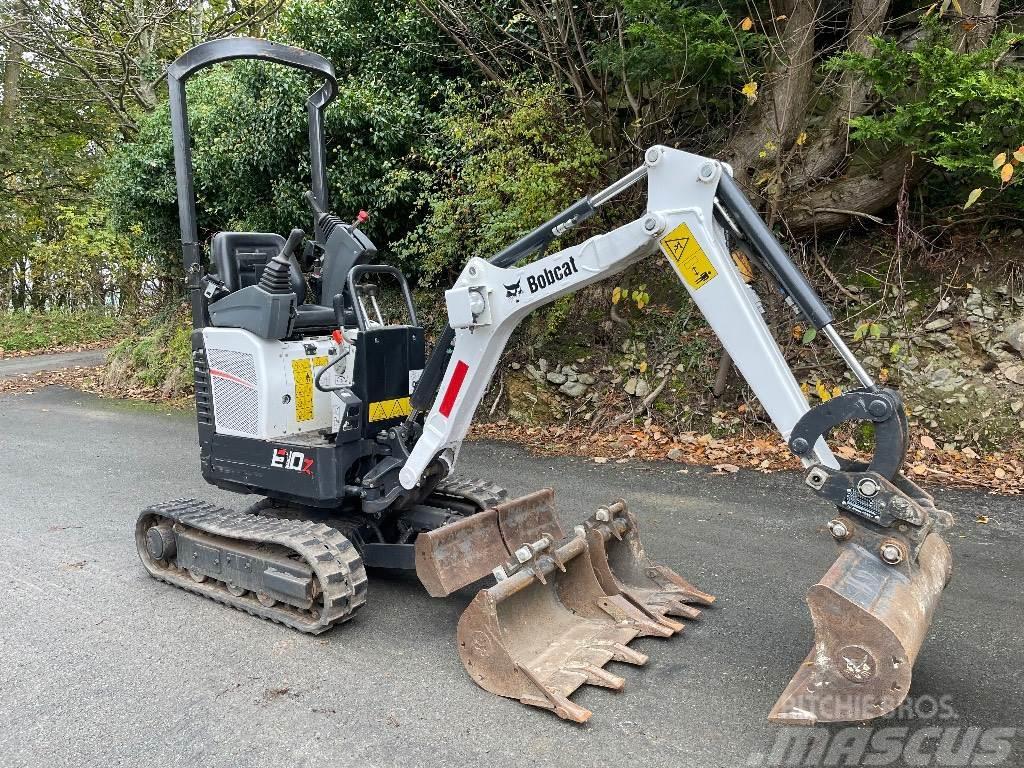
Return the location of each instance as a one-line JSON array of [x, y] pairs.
[[689, 258], [282, 458], [551, 275]]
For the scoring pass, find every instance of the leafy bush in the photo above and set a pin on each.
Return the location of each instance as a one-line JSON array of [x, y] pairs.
[[504, 160], [958, 109], [248, 120], [158, 356]]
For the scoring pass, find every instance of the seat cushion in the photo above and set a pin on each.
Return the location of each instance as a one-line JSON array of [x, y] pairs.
[[309, 316]]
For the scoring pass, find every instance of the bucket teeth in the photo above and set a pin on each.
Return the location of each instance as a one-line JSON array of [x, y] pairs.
[[623, 567], [551, 625], [870, 620], [627, 655]]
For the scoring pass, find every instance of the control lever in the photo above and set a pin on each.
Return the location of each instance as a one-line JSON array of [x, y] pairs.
[[295, 238]]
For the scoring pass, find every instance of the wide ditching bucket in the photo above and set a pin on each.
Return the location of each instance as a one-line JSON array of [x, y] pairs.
[[550, 624], [870, 620]]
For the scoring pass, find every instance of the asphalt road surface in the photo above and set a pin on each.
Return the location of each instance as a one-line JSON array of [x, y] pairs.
[[17, 366], [100, 665]]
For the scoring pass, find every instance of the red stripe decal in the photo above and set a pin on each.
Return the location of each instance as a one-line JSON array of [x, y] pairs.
[[452, 393], [230, 377]]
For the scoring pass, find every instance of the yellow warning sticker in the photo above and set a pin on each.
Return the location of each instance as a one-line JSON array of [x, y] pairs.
[[320, 362], [302, 372], [685, 252], [389, 409]]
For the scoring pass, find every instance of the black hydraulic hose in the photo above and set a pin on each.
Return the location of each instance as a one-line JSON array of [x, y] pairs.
[[537, 240], [774, 256], [430, 380], [534, 241]]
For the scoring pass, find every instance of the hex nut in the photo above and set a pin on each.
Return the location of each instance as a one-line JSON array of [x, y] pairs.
[[867, 487], [840, 529]]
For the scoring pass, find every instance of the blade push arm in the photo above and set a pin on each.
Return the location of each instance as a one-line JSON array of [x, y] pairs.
[[488, 302]]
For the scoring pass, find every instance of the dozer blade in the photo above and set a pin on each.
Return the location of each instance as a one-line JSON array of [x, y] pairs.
[[458, 554], [547, 629], [623, 568], [870, 620]]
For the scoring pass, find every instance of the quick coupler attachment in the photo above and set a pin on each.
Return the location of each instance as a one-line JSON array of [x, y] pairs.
[[549, 624], [873, 607]]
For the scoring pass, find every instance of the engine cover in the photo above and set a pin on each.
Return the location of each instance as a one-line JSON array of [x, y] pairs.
[[264, 388]]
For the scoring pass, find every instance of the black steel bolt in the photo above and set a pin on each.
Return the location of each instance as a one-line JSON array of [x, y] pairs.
[[878, 408], [799, 446]]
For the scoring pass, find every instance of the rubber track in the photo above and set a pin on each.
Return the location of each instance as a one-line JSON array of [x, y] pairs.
[[332, 558], [483, 493]]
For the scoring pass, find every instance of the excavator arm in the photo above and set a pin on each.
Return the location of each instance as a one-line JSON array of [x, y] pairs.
[[871, 610], [488, 302]]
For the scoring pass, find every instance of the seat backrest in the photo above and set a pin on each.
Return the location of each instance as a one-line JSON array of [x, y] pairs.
[[240, 258]]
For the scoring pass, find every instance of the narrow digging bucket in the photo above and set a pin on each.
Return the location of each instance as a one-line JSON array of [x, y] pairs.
[[870, 620], [623, 567], [544, 631]]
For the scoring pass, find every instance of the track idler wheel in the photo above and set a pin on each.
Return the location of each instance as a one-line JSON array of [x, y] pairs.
[[870, 619]]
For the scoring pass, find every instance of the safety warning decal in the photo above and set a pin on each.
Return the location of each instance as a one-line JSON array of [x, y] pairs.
[[389, 409], [685, 252], [302, 372]]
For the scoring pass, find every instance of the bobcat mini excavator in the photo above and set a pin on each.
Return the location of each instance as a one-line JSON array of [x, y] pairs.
[[310, 396]]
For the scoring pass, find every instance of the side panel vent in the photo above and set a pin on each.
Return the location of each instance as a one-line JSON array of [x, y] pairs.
[[235, 391], [204, 397]]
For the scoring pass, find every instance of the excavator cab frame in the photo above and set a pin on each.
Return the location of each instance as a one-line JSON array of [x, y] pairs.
[[202, 57]]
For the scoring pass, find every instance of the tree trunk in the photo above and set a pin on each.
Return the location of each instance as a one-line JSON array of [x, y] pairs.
[[12, 74], [778, 116]]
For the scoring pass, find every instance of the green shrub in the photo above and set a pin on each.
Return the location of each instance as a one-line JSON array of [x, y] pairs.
[[958, 109], [159, 357], [505, 160]]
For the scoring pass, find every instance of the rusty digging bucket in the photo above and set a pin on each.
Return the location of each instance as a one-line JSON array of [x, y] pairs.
[[623, 568], [551, 623], [870, 620]]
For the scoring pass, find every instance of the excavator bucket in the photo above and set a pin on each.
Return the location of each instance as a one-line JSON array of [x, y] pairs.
[[623, 568], [870, 620], [550, 625]]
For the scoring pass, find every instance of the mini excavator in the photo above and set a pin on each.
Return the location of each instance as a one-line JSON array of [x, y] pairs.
[[323, 403]]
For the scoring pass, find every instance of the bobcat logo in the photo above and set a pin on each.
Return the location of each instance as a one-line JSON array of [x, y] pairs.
[[514, 291]]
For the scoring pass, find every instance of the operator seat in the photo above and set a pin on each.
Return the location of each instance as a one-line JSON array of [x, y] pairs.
[[240, 258]]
